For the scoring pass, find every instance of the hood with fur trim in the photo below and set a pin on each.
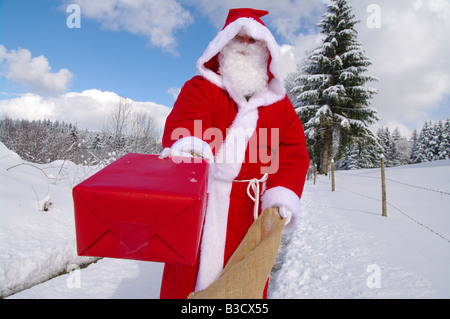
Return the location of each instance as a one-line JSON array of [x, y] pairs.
[[249, 21]]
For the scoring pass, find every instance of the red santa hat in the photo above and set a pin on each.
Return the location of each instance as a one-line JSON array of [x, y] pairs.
[[235, 14], [248, 20]]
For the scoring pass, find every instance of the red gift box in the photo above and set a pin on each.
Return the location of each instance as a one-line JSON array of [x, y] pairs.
[[144, 208]]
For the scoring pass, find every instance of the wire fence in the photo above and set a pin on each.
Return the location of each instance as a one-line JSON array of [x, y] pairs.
[[398, 182], [335, 180]]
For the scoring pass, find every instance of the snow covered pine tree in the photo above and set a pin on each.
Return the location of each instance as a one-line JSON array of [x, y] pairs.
[[433, 142], [331, 99]]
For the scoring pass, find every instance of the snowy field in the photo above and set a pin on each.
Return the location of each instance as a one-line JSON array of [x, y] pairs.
[[344, 248], [341, 248]]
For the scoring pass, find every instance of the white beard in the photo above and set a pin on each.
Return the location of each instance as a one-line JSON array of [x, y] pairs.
[[244, 67]]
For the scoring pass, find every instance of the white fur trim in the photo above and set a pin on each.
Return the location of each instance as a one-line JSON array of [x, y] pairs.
[[168, 152], [231, 154], [228, 162], [214, 234], [275, 90], [195, 145], [282, 196]]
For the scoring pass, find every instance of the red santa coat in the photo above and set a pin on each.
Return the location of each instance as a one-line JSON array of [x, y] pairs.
[[243, 140]]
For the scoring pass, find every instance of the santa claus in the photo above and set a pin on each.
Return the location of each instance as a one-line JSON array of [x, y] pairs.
[[236, 114]]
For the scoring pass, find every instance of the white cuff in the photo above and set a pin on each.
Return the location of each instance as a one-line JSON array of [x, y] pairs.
[[168, 152], [192, 144], [287, 202], [285, 213]]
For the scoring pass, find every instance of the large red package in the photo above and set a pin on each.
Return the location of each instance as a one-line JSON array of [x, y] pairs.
[[144, 208]]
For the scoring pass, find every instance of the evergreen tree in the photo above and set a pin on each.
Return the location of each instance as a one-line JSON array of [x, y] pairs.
[[393, 153], [444, 147], [425, 152], [396, 148], [350, 160], [95, 143], [414, 146], [370, 155], [385, 140], [436, 139], [360, 157], [331, 98]]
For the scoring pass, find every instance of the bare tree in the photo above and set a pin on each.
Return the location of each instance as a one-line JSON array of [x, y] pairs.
[[143, 133], [117, 123], [131, 131]]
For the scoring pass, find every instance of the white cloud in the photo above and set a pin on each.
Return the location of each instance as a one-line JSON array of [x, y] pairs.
[[87, 109], [34, 73], [158, 20], [293, 55], [174, 91], [288, 59], [410, 54], [286, 17]]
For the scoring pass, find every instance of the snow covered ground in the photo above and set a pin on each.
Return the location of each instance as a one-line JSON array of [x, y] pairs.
[[344, 248], [341, 248]]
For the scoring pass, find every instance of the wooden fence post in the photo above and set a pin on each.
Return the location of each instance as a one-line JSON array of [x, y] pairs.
[[315, 173], [383, 187], [332, 175]]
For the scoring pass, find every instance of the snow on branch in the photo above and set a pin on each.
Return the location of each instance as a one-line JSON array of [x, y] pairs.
[[334, 91], [350, 32], [308, 95], [344, 76], [344, 122], [325, 109]]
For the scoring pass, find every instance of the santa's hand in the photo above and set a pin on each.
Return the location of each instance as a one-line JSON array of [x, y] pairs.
[[285, 213], [168, 152]]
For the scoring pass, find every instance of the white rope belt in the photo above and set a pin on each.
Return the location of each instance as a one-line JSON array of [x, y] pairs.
[[254, 185]]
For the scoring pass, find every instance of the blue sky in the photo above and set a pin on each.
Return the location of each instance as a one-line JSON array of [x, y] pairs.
[[124, 63], [142, 49]]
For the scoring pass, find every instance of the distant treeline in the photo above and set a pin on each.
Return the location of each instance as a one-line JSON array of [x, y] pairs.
[[431, 143], [45, 141]]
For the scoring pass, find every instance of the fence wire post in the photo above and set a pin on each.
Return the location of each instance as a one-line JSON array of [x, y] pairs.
[[383, 187], [315, 173], [332, 175]]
